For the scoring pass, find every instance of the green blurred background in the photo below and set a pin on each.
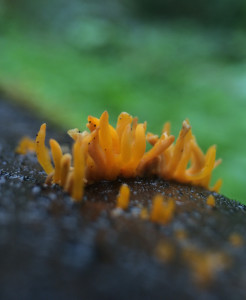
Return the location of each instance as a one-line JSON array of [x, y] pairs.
[[159, 60]]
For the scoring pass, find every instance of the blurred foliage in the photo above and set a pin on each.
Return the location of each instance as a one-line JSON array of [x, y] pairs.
[[215, 12], [223, 13], [71, 59], [57, 15]]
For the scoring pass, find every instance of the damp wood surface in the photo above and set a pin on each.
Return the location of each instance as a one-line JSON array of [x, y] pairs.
[[53, 248]]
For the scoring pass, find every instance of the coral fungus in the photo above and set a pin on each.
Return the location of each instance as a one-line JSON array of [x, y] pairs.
[[25, 145], [123, 197], [162, 212], [105, 153], [236, 239], [211, 201]]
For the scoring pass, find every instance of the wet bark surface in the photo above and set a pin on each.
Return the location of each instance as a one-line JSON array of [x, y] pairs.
[[52, 248]]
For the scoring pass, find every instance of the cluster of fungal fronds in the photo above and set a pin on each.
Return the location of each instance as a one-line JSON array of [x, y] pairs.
[[106, 153]]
